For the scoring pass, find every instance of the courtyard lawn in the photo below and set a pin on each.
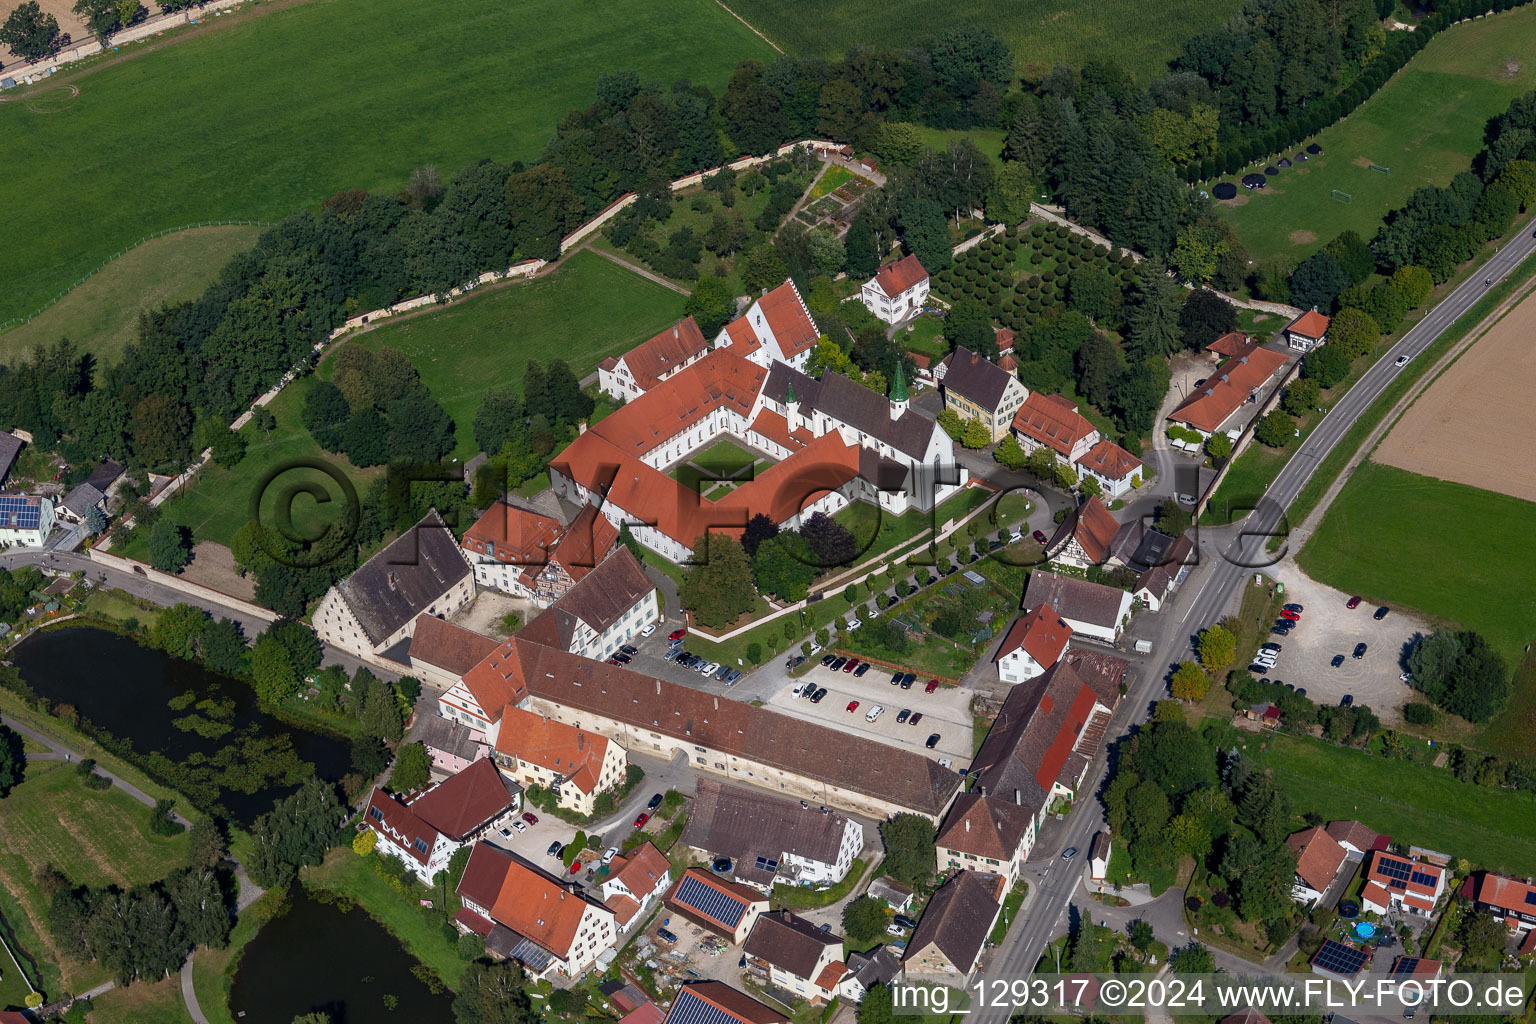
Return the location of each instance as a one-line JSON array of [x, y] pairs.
[[924, 335], [1413, 803], [1425, 125], [1454, 552], [724, 456], [585, 311], [101, 315], [299, 103], [217, 501], [1137, 38]]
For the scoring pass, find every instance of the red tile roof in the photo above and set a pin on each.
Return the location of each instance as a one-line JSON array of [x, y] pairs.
[[1228, 387], [464, 801], [1505, 893], [539, 908], [1230, 344], [585, 543], [1310, 324], [831, 974], [483, 875], [647, 1013], [1005, 338], [642, 870], [1053, 421], [895, 278], [738, 1005], [1415, 893], [722, 379], [552, 745], [624, 908], [665, 352], [512, 534], [474, 922], [1109, 460], [1318, 857], [1092, 527], [1042, 634], [394, 821], [789, 319], [497, 681], [451, 648], [1357, 835]]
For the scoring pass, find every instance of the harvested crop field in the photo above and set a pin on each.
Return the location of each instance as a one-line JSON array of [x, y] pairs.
[[1468, 425]]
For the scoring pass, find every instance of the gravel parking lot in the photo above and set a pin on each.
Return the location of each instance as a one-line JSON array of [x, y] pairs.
[[946, 711], [1327, 629]]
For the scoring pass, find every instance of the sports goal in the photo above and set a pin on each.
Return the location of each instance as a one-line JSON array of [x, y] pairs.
[[1380, 169], [1342, 197]]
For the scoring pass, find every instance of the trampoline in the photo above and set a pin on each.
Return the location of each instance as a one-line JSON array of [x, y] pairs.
[[1254, 181], [1271, 171], [1224, 190], [1365, 930], [1349, 910], [1283, 163], [1299, 157]]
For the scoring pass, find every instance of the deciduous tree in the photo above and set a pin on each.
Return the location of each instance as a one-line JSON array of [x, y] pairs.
[[909, 850], [1190, 681], [31, 34]]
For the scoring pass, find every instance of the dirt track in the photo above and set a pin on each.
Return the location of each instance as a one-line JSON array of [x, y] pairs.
[[1474, 425]]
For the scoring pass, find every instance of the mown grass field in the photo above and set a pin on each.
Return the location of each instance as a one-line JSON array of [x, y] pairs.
[[1453, 552], [1413, 803], [1426, 125], [299, 103], [1136, 37], [101, 316], [587, 310]]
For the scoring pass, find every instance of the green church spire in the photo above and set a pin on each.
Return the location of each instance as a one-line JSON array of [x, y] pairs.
[[899, 386]]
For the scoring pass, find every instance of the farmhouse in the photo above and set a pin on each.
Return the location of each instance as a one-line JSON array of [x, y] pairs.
[[1239, 379], [769, 839], [955, 925], [376, 608], [1512, 900], [1032, 644], [1307, 331], [440, 652], [898, 291], [776, 329], [527, 554], [634, 882], [575, 765], [725, 908], [1085, 537], [792, 954], [978, 389], [549, 926], [1399, 883], [425, 831], [1051, 421], [986, 833], [1318, 857], [1093, 610], [26, 520], [648, 364]]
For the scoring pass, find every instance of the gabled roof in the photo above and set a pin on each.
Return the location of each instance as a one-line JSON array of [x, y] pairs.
[[714, 1002], [1310, 324], [451, 737], [1505, 893], [1358, 835], [853, 404], [1091, 525], [483, 874], [986, 826], [1102, 671], [1318, 857], [641, 870], [396, 822], [1034, 734], [1230, 344], [400, 582], [712, 900], [877, 967], [560, 748], [451, 648], [788, 319], [789, 942], [975, 377], [513, 534], [497, 681], [1414, 881], [582, 546], [665, 352], [1042, 634], [82, 497], [602, 597], [466, 800], [896, 277], [527, 901], [1074, 598], [1052, 421], [1214, 402], [1100, 848], [744, 824], [958, 918], [1110, 461], [722, 379], [10, 447]]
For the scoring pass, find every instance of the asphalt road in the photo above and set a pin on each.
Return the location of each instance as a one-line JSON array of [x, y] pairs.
[[1227, 556]]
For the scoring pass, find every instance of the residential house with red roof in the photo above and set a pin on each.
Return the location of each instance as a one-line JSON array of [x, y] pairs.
[[573, 763], [776, 328], [1356, 838], [441, 652], [1399, 883], [953, 930], [1318, 858], [548, 925], [976, 388], [1241, 378], [1116, 470], [648, 364], [790, 953], [635, 881], [1032, 644], [424, 831], [1051, 421], [1512, 900], [728, 909], [1307, 331], [898, 291], [527, 554], [714, 1002], [1085, 537]]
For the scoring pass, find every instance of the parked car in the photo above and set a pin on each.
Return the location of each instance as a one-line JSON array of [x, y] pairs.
[[1381, 613], [655, 802], [894, 929], [1353, 602], [677, 634], [837, 664], [1040, 538], [648, 630], [1347, 700], [853, 706], [666, 936], [609, 854], [1271, 646], [672, 654], [505, 833], [816, 698], [1360, 650], [530, 817], [795, 662], [518, 826], [854, 624], [864, 667], [895, 678], [1295, 608], [554, 849], [640, 821], [904, 921], [874, 712], [907, 680], [1277, 631], [734, 677], [621, 659], [1290, 616], [903, 715], [1301, 691], [917, 716], [853, 663], [1338, 659], [615, 660], [629, 649], [933, 684], [1069, 853], [932, 741]]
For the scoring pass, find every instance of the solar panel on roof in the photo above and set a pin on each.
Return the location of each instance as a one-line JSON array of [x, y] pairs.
[[18, 512], [1397, 869], [1530, 897], [709, 901], [690, 1009], [1406, 965], [1339, 958], [1420, 878]]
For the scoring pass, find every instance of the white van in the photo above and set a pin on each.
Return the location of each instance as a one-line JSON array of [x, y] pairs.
[[875, 712]]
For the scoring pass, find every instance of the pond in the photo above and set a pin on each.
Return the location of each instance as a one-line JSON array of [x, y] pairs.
[[319, 957], [215, 728]]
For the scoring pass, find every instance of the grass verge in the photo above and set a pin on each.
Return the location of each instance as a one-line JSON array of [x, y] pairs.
[[794, 897]]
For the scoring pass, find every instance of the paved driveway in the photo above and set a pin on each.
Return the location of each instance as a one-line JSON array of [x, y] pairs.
[[946, 711], [1327, 629]]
